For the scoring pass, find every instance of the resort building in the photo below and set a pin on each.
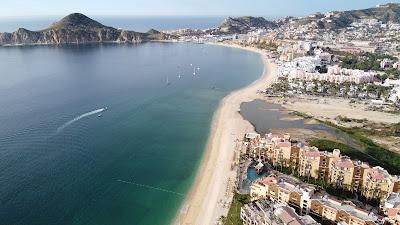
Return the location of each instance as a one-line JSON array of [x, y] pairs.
[[309, 162], [391, 208], [283, 190], [329, 208], [325, 161], [341, 173], [260, 189], [282, 153], [252, 139], [264, 212], [377, 184], [294, 157], [305, 201], [337, 170], [360, 171], [258, 147], [334, 74]]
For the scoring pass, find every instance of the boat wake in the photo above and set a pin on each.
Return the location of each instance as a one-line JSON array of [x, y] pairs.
[[69, 123], [150, 187]]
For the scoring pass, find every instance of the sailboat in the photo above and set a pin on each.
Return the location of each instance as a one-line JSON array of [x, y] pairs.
[[168, 83], [195, 69]]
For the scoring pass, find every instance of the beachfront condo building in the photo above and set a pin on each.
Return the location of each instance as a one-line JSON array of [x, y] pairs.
[[332, 167], [391, 208], [283, 190], [378, 183], [360, 171], [281, 154], [309, 162], [304, 199], [264, 212], [324, 207], [326, 160], [341, 173]]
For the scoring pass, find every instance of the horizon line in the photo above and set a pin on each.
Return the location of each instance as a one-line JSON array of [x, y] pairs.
[[138, 15]]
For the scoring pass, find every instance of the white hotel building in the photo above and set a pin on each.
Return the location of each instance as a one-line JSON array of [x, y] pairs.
[[304, 69]]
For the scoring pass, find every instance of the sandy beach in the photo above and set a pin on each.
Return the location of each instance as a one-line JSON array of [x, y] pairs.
[[212, 190]]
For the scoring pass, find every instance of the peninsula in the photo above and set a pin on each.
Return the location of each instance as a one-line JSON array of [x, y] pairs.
[[77, 28]]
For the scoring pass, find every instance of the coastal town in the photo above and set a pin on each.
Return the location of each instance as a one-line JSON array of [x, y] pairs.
[[313, 140], [343, 74], [313, 59]]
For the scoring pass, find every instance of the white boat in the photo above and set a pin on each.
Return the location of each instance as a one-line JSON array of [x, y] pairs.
[[168, 83]]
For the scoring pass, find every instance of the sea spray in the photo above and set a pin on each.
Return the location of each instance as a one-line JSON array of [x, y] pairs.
[[67, 124]]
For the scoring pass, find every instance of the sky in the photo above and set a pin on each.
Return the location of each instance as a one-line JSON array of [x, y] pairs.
[[267, 8]]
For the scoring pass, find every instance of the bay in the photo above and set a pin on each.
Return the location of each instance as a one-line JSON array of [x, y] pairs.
[[64, 159]]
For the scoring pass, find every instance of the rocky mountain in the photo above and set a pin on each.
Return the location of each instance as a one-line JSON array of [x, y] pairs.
[[244, 24], [337, 20], [332, 20], [78, 28], [385, 13]]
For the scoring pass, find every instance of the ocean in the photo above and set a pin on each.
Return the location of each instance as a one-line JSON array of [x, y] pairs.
[[106, 133], [135, 23]]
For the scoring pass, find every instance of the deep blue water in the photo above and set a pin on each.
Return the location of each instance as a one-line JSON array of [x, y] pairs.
[[136, 23], [132, 165]]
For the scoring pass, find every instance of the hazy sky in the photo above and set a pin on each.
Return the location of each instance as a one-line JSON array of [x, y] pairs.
[[269, 8]]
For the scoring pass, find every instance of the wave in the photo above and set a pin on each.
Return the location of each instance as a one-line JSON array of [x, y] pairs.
[[67, 124]]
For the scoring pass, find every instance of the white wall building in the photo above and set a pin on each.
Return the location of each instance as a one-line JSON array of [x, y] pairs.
[[302, 71]]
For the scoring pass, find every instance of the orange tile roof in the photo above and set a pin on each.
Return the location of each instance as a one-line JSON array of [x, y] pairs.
[[311, 153], [392, 212], [270, 180], [344, 164], [284, 144]]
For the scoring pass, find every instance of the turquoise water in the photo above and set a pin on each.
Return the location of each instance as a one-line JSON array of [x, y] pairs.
[[63, 163], [252, 175]]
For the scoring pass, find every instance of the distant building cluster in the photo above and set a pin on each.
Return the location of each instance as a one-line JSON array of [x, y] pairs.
[[304, 68], [368, 31], [332, 167]]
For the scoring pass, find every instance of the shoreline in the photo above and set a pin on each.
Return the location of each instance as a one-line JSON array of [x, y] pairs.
[[215, 180]]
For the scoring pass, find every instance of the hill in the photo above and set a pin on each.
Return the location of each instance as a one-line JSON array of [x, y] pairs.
[[244, 24], [76, 21], [342, 19], [330, 21]]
